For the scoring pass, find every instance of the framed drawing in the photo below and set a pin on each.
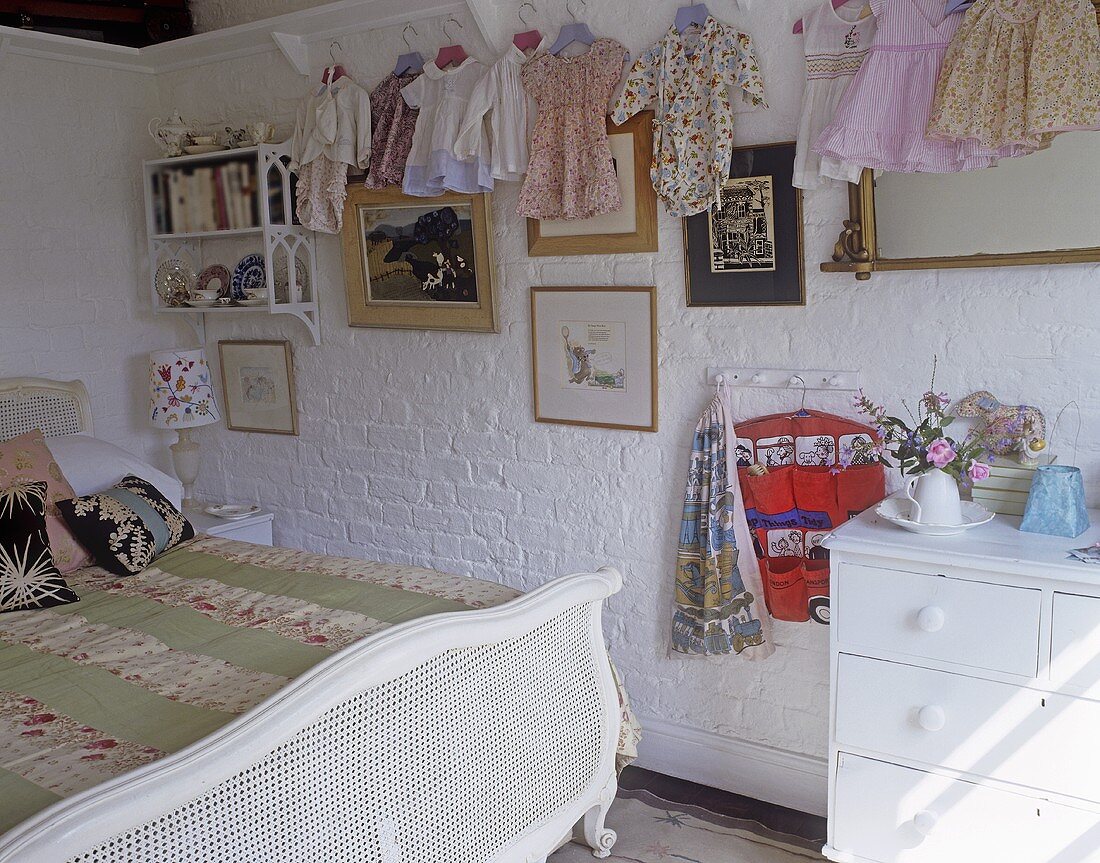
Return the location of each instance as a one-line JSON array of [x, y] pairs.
[[594, 356], [258, 385], [419, 263], [631, 229], [747, 249]]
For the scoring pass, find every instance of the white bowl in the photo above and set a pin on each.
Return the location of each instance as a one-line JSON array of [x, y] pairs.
[[206, 294]]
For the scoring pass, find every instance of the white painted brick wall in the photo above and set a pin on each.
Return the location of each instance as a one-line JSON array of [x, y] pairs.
[[421, 447], [72, 238]]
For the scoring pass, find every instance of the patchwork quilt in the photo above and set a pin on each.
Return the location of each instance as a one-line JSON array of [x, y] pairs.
[[144, 665]]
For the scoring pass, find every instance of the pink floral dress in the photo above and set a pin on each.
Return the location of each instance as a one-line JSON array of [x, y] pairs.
[[571, 173], [394, 123]]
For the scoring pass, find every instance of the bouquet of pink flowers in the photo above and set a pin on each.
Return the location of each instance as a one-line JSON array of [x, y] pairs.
[[924, 444]]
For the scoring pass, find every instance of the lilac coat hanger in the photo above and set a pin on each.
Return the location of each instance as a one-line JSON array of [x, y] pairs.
[[688, 15], [957, 6], [411, 61], [570, 33]]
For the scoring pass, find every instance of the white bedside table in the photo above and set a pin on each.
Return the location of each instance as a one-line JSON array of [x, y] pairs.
[[254, 528]]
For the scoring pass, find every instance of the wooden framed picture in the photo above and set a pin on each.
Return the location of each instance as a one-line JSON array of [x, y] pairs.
[[258, 386], [747, 249], [594, 356], [631, 229], [419, 263]]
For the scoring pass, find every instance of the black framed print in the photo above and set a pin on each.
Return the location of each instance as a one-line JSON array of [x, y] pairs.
[[746, 250]]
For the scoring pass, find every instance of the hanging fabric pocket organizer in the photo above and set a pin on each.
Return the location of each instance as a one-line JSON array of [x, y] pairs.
[[802, 496]]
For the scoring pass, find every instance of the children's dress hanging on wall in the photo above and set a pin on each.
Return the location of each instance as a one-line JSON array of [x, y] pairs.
[[571, 174], [882, 118], [835, 42], [1018, 72], [442, 95], [718, 592], [497, 117], [688, 74], [332, 133], [394, 123]]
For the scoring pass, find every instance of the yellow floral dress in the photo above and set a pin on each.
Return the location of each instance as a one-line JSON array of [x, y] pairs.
[[1018, 72]]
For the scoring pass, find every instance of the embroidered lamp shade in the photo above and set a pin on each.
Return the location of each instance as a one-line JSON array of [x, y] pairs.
[[181, 395]]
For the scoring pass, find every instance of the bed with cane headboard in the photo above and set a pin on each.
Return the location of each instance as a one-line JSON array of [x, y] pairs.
[[487, 733]]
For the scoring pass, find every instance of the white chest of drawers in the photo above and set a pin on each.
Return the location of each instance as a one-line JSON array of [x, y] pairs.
[[965, 714]]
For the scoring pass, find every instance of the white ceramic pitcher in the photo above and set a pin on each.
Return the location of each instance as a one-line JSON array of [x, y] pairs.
[[935, 497]]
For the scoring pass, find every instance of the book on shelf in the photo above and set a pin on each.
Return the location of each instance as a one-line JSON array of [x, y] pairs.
[[205, 198]]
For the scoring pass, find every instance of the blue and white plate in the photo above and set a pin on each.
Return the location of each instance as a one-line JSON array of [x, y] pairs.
[[249, 275]]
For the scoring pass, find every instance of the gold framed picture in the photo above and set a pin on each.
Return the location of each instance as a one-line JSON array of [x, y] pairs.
[[258, 385], [594, 356], [631, 229], [419, 263]]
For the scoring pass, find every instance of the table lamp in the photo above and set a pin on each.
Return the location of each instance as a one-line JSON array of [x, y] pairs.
[[181, 398]]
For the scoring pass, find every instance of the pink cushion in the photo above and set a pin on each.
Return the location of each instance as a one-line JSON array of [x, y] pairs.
[[27, 458]]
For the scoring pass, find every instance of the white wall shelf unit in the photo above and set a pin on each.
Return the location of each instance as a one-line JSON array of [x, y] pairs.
[[292, 34], [289, 250]]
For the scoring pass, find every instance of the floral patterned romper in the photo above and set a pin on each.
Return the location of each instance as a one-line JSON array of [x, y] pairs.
[[693, 141]]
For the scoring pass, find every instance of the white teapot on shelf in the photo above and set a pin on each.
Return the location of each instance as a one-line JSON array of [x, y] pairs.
[[170, 133]]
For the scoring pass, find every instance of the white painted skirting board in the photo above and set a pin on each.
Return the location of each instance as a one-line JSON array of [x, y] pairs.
[[777, 776]]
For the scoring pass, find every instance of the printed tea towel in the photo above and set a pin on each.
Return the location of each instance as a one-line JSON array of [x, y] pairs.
[[719, 596]]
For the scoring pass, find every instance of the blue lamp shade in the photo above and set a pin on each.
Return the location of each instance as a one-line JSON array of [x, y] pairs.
[[1056, 502]]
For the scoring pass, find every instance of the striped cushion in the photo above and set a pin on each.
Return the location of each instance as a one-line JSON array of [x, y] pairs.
[[126, 527]]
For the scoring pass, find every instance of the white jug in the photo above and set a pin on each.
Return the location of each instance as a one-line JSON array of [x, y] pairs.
[[935, 497]]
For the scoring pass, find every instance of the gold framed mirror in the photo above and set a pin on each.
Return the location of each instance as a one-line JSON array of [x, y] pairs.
[[1037, 209]]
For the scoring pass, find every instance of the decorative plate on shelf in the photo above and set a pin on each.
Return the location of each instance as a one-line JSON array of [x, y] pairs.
[[215, 271], [282, 281], [202, 149], [229, 511], [249, 275], [174, 279]]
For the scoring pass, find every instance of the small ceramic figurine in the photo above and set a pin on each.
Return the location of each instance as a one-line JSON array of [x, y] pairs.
[[1018, 430]]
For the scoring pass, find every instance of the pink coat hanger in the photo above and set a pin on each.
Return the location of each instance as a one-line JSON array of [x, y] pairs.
[[451, 53], [528, 39], [798, 27], [334, 72]]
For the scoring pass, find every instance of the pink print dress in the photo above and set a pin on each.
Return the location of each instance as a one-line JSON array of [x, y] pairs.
[[881, 121], [571, 174]]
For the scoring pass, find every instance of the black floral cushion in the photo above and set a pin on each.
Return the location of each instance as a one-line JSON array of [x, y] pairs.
[[126, 527], [28, 576]]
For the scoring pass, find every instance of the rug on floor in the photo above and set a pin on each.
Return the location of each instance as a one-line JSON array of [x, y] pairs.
[[652, 830]]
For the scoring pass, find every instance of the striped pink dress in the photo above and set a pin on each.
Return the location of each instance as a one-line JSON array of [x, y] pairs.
[[881, 121]]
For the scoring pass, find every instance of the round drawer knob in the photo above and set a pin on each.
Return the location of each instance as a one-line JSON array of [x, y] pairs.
[[930, 618], [931, 718], [925, 822]]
